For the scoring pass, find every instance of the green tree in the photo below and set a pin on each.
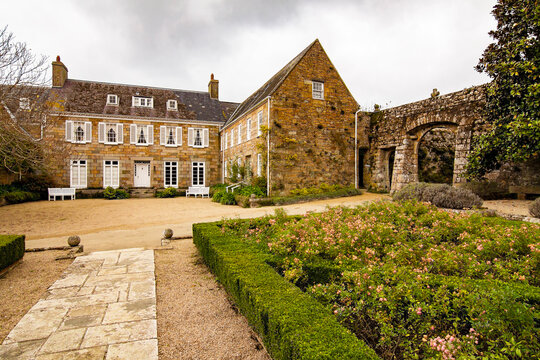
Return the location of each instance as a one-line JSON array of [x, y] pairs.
[[513, 97]]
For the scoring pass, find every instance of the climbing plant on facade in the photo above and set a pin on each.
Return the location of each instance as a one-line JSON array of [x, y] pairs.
[[513, 97]]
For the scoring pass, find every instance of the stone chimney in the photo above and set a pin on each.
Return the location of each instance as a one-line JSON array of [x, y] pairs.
[[59, 73], [213, 88]]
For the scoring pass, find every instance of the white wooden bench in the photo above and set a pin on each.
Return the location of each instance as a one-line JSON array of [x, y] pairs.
[[198, 190], [54, 192]]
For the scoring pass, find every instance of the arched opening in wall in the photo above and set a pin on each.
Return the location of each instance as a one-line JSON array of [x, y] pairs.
[[436, 153], [391, 158]]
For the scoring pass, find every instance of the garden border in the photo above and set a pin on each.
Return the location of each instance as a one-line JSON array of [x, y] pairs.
[[291, 323], [11, 249]]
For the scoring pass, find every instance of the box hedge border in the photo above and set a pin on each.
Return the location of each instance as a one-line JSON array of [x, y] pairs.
[[11, 249], [291, 324]]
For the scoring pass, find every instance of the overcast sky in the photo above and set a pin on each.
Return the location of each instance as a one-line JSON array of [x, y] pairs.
[[388, 52]]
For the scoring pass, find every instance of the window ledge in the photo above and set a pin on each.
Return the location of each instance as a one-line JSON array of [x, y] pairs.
[[171, 146]]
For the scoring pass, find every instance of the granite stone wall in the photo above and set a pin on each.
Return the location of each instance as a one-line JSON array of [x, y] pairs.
[[312, 140], [95, 153], [396, 132]]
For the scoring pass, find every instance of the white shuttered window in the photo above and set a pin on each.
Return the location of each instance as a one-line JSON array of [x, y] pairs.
[[248, 129], [170, 136], [79, 132], [142, 135], [110, 134], [198, 137]]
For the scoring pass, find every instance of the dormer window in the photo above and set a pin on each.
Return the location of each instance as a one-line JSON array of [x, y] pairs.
[[112, 99], [140, 101], [318, 90], [172, 105], [24, 103]]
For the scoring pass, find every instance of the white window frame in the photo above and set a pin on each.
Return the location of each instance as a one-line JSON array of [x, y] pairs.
[[194, 174], [316, 92], [164, 135], [248, 129], [232, 137], [114, 180], [239, 134], [112, 99], [134, 133], [259, 123], [226, 143], [172, 166], [204, 135], [103, 133], [24, 103], [172, 105], [225, 169], [71, 135], [259, 164], [80, 168], [142, 101]]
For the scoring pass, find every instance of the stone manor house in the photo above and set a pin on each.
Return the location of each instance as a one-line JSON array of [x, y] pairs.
[[301, 128]]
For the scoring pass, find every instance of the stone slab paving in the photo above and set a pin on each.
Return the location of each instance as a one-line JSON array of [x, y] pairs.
[[103, 307]]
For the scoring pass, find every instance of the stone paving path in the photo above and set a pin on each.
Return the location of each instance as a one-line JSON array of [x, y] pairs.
[[103, 307]]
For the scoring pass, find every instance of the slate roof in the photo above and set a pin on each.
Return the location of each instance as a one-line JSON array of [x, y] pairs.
[[269, 87], [90, 97]]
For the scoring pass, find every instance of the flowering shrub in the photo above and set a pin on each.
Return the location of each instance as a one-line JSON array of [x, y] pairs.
[[413, 281], [534, 208], [441, 195]]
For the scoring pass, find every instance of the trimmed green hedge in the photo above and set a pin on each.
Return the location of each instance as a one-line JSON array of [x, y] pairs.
[[292, 324], [11, 249]]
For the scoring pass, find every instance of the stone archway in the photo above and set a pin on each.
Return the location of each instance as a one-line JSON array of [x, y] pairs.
[[406, 159]]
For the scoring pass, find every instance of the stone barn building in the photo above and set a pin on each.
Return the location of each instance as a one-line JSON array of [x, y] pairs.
[[297, 129]]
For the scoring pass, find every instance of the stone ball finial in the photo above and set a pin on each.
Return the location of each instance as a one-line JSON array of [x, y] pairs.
[[74, 240], [377, 107], [435, 93], [168, 233]]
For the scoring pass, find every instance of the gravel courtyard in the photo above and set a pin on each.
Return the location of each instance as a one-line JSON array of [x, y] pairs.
[[119, 224]]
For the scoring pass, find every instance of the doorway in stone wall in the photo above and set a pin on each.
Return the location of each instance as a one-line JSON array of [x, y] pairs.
[[142, 174], [391, 159], [361, 156], [436, 153]]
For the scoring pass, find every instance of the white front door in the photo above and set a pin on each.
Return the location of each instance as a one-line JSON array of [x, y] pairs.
[[142, 174]]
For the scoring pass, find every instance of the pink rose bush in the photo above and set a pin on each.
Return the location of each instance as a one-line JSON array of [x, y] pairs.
[[413, 281]]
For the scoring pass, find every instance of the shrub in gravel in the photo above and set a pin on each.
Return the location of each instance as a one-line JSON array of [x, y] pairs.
[[534, 208], [413, 191], [112, 194], [227, 198], [167, 193], [441, 195]]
